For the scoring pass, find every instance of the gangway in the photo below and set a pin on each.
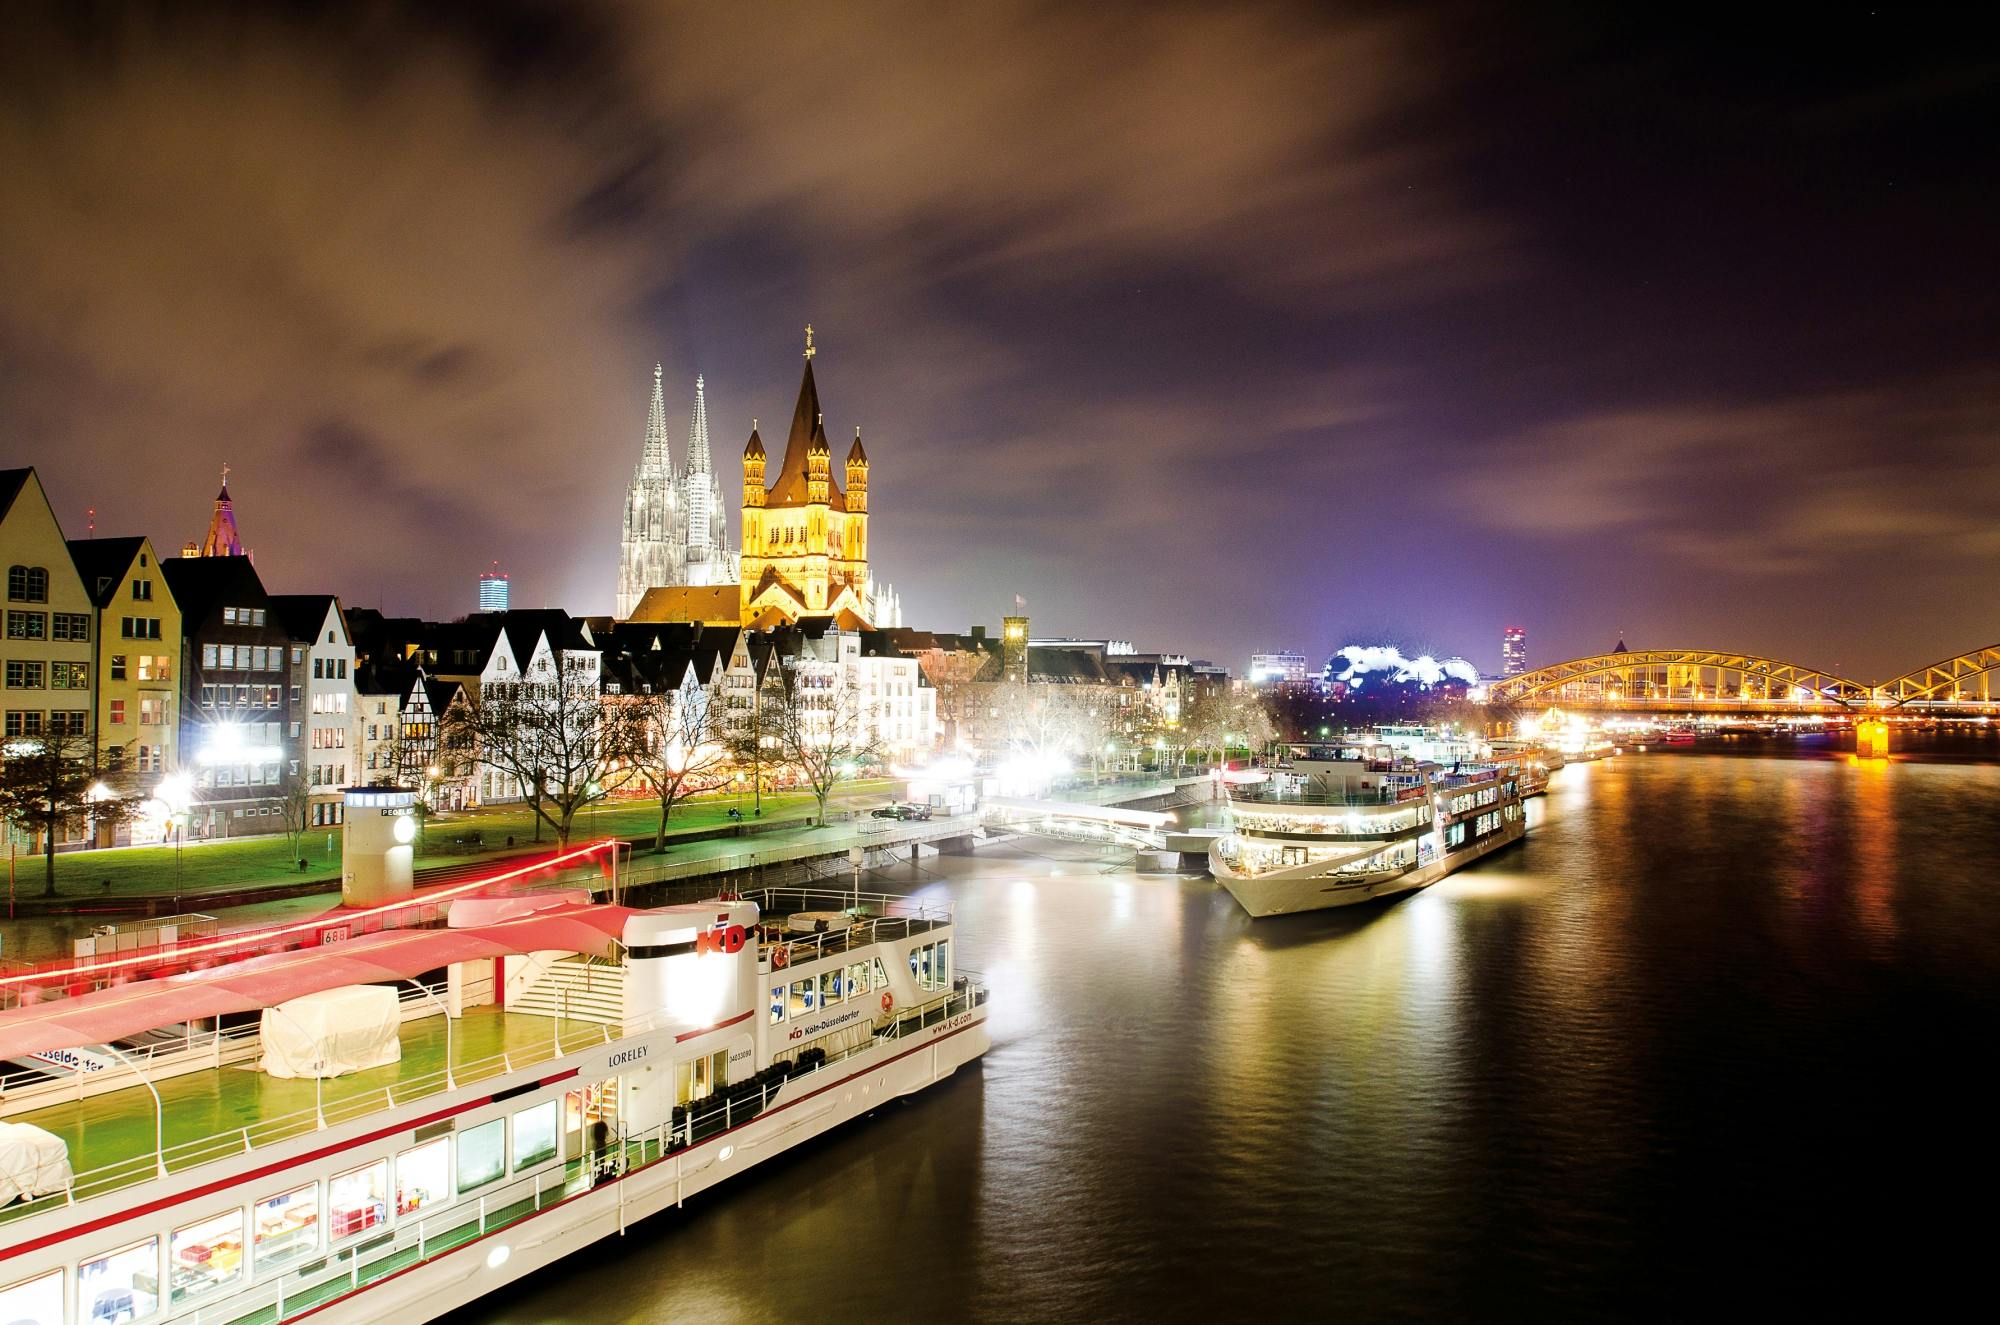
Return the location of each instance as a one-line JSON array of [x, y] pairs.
[[1094, 825]]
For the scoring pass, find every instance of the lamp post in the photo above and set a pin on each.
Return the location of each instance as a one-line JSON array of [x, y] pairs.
[[176, 794]]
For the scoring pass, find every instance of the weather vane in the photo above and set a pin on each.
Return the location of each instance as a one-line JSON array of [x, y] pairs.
[[809, 340]]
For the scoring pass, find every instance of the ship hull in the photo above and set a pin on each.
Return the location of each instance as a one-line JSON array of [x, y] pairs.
[[1288, 892]]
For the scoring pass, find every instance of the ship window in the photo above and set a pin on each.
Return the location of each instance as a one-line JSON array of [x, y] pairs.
[[805, 996], [423, 1176], [534, 1135], [881, 975], [286, 1227], [357, 1201], [941, 970], [207, 1255], [38, 1301], [122, 1286], [830, 990], [482, 1154], [857, 979], [777, 1004]]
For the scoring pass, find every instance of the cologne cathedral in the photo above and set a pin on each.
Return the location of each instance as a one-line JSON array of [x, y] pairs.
[[676, 527], [805, 533]]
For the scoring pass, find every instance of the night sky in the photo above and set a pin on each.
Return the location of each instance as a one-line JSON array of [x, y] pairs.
[[1216, 328]]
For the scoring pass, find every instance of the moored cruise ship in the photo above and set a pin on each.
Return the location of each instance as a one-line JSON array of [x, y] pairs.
[[1342, 824], [389, 1126]]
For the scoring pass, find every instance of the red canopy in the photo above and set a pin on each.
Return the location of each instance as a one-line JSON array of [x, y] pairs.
[[261, 982]]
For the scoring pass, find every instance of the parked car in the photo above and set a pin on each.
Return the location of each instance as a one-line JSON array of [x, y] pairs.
[[887, 812]]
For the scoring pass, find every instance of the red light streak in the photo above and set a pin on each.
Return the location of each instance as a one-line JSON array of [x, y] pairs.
[[248, 937]]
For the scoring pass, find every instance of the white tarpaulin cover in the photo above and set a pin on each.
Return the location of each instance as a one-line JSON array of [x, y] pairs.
[[332, 1032], [32, 1162]]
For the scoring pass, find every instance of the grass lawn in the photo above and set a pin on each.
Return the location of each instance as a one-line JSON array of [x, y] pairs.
[[253, 862]]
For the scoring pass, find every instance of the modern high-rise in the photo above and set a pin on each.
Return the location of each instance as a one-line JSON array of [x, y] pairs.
[[493, 590], [1269, 669], [1513, 650]]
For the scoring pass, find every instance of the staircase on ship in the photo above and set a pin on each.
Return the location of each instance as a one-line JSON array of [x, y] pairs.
[[575, 988]]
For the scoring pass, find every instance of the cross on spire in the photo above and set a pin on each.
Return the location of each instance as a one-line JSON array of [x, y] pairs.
[[809, 341], [225, 473]]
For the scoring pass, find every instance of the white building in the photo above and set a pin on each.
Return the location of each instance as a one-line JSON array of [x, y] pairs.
[[323, 670], [1268, 669], [488, 651]]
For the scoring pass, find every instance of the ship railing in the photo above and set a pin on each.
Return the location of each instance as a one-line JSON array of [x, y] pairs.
[[190, 1050], [565, 1037], [468, 1216], [802, 946], [784, 901], [1387, 796]]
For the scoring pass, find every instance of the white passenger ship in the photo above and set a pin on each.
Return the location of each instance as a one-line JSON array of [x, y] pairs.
[[1340, 824], [578, 1068]]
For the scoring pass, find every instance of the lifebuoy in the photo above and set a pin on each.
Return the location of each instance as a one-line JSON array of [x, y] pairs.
[[888, 1000], [781, 957]]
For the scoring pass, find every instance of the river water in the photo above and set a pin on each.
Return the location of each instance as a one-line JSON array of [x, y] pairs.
[[1711, 1040]]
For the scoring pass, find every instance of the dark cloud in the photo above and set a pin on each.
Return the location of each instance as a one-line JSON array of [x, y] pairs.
[[1216, 326]]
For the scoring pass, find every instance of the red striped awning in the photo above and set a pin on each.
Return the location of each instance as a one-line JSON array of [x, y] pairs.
[[261, 982]]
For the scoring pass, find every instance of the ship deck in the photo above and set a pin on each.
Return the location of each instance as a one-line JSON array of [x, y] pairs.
[[216, 1111]]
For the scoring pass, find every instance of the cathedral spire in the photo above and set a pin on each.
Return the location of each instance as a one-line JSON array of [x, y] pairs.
[[698, 462], [654, 455]]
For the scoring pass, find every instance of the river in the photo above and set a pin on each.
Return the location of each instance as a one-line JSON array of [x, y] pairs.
[[1707, 1042]]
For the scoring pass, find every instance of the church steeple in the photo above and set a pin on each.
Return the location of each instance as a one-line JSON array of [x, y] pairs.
[[222, 540], [654, 456], [698, 460]]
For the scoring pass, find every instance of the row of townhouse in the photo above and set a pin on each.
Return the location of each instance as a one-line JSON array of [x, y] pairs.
[[230, 709]]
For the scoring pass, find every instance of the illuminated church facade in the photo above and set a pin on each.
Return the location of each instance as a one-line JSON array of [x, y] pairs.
[[804, 539]]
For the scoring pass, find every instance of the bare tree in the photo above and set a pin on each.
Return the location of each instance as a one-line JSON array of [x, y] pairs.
[[1218, 722], [296, 806], [818, 725], [550, 732], [675, 740], [55, 778], [1052, 721], [950, 672]]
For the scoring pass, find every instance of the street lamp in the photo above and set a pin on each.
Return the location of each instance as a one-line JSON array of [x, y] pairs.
[[176, 793]]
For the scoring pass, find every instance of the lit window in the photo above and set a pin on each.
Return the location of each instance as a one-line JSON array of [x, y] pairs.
[[286, 1227], [356, 1200], [534, 1135], [122, 1286], [423, 1176], [482, 1154], [38, 1300], [777, 1004], [206, 1255]]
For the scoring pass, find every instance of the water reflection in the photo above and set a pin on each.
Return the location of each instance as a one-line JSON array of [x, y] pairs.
[[1706, 1043]]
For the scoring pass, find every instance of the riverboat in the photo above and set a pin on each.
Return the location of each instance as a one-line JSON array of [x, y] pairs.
[[1340, 825], [380, 1143]]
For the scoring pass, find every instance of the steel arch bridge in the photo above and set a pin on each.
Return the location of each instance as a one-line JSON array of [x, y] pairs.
[[1721, 681]]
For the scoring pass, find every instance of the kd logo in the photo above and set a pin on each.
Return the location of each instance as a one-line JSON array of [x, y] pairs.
[[731, 939]]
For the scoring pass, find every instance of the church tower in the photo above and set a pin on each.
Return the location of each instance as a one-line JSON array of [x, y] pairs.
[[804, 540], [707, 554], [649, 552], [222, 540]]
